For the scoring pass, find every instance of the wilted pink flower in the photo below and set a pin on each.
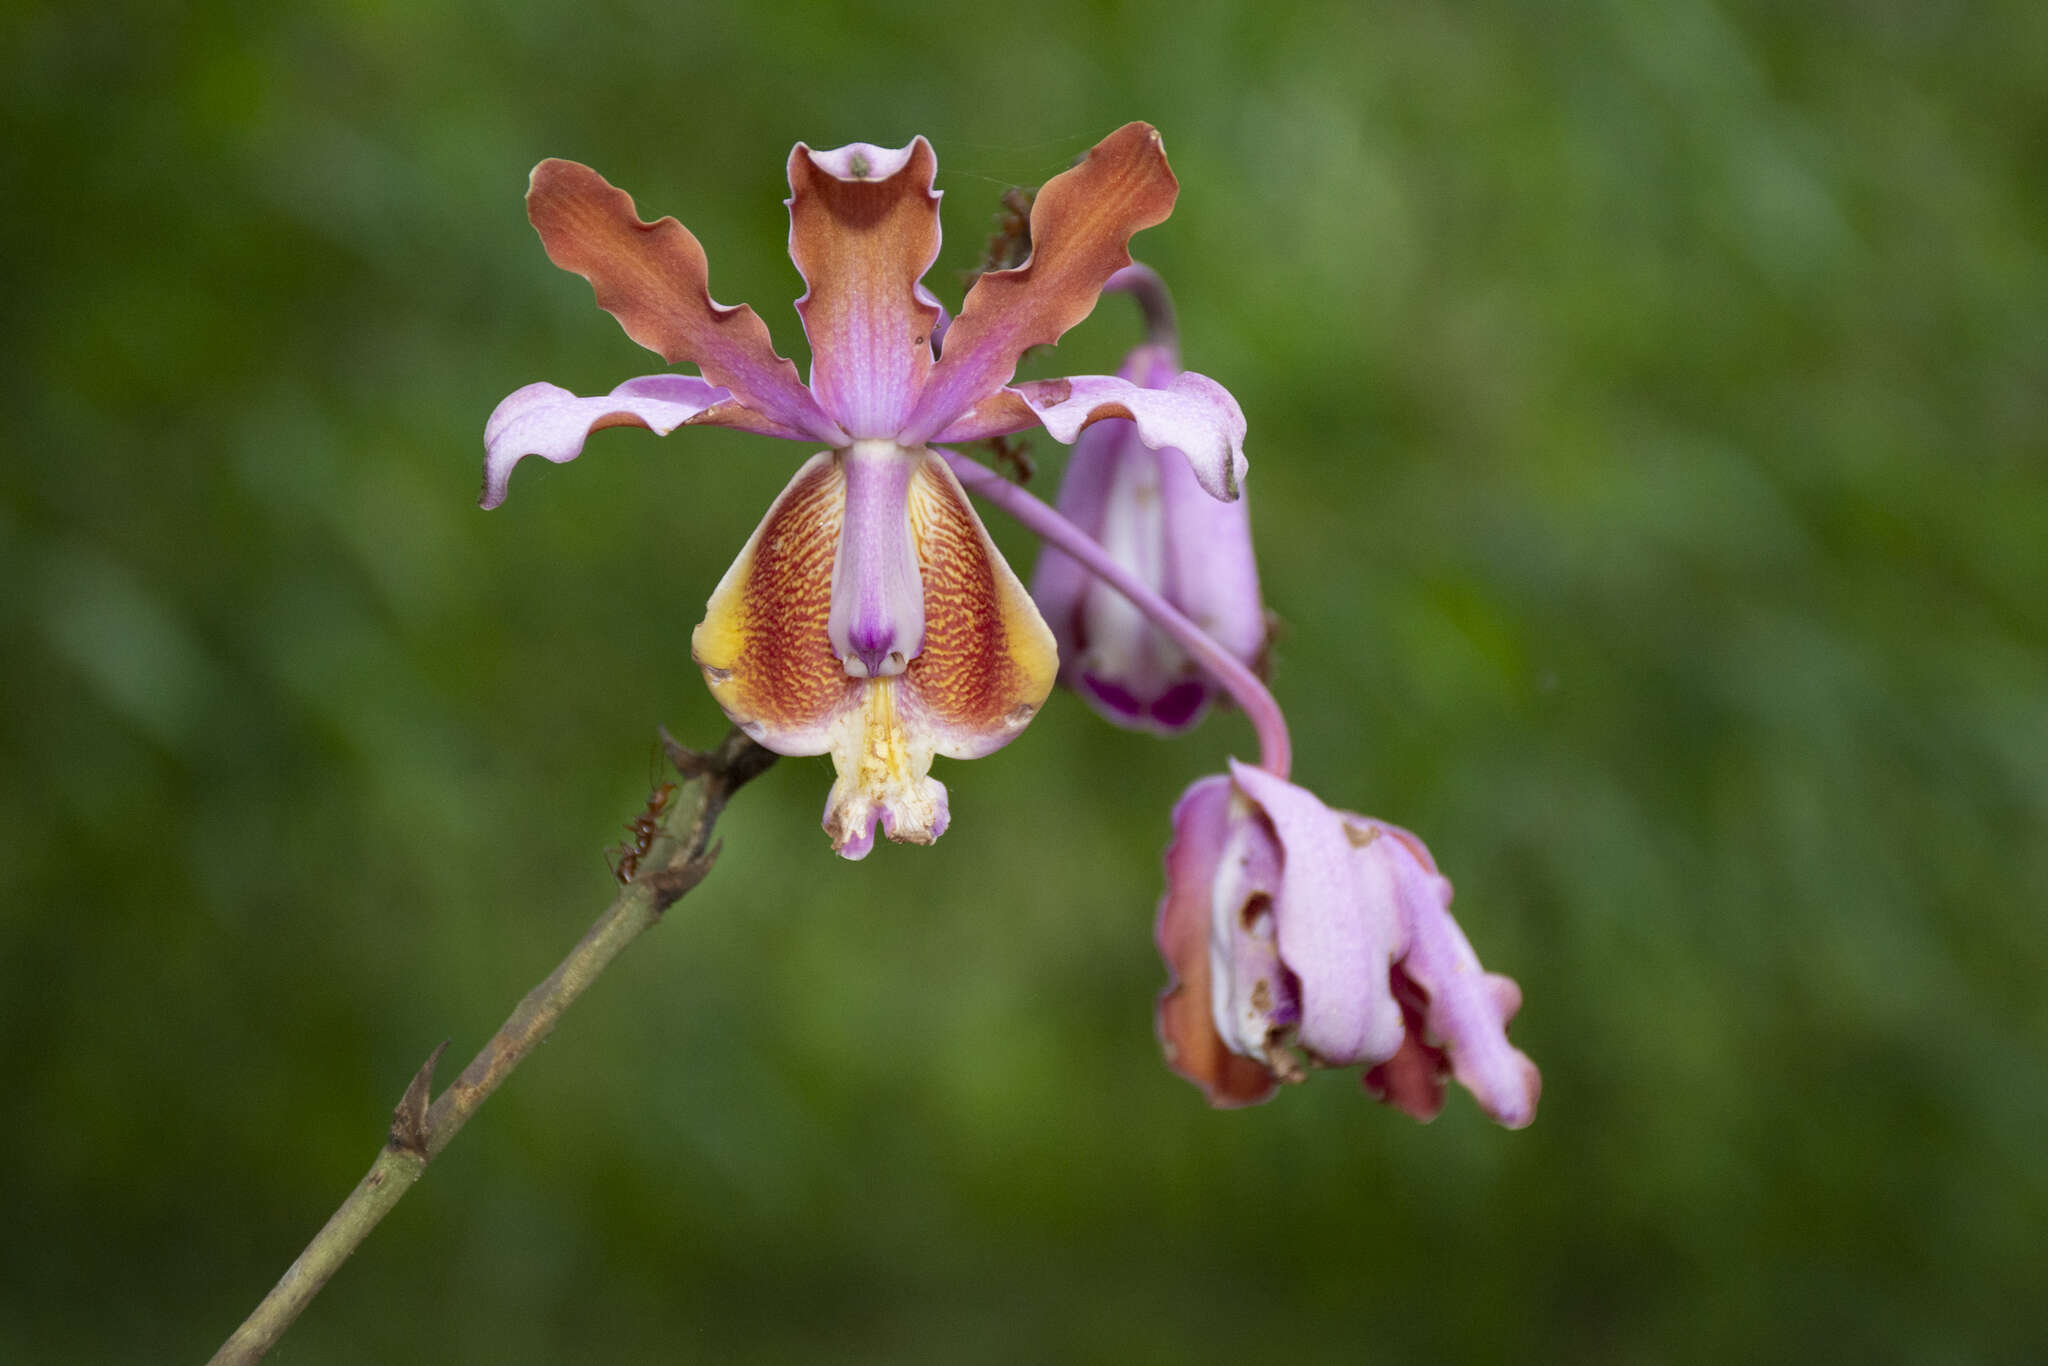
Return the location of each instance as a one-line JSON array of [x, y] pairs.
[[1297, 935], [870, 617], [1145, 508]]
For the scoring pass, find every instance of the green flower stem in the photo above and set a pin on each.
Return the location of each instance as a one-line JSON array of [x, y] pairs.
[[676, 860]]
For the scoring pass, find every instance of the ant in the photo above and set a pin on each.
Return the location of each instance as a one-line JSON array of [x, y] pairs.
[[644, 828]]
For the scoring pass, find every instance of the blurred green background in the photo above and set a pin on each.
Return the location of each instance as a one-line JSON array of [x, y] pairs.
[[1648, 410]]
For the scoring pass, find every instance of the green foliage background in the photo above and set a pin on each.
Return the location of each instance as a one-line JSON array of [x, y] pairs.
[[1648, 419]]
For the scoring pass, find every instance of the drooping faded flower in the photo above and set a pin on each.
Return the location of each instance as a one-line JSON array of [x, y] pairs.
[[1298, 935], [1145, 508], [870, 617]]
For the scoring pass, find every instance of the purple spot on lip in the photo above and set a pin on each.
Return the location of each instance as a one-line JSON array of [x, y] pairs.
[[1118, 699], [1181, 704], [1175, 710], [872, 643]]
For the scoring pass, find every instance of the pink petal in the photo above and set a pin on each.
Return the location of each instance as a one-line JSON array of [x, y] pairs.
[[1339, 933], [1148, 511], [1194, 415], [1125, 664], [1081, 226], [548, 421], [1468, 1008], [1212, 573], [1059, 585], [863, 229], [653, 278]]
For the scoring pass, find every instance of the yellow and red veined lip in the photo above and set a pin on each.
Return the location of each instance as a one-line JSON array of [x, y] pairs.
[[986, 664]]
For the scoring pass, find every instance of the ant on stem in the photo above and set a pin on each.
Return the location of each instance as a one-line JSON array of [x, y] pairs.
[[643, 829]]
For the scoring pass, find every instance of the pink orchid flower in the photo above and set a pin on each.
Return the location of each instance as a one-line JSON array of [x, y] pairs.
[[1145, 508], [1296, 934], [870, 617]]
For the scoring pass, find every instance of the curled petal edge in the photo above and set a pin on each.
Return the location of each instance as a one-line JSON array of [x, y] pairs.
[[1466, 1009], [1194, 415], [548, 421], [654, 279]]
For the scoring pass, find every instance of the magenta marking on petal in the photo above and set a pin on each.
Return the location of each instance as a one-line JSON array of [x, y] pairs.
[[1119, 702], [928, 831], [1180, 706]]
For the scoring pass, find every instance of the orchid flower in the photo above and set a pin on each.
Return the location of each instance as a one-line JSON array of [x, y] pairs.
[[870, 617], [1298, 933], [1145, 508]]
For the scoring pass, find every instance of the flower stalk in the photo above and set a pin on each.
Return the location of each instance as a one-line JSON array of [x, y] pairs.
[[677, 860], [1276, 754]]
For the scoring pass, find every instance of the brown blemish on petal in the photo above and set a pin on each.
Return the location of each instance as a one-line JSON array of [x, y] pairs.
[[1049, 393], [1359, 835], [1413, 1079]]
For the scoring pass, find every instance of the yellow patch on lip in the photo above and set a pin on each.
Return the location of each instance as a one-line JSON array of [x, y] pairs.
[[883, 773]]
